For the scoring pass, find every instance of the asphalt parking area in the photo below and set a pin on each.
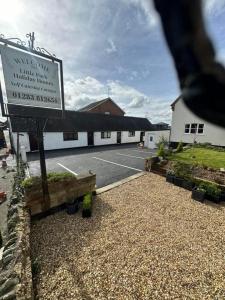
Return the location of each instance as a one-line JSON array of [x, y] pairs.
[[109, 163]]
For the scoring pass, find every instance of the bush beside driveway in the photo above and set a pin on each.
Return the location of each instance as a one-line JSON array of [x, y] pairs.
[[147, 239]]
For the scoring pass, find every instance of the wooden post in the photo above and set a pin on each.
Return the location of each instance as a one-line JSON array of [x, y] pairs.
[[46, 198]]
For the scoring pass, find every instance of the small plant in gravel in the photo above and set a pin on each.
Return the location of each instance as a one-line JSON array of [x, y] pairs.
[[87, 205]]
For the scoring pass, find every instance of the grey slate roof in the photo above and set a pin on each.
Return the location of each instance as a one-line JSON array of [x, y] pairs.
[[74, 121]]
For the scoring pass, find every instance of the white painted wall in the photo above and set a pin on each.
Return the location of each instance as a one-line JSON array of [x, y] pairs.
[[99, 141], [54, 140], [130, 139], [181, 115], [155, 135]]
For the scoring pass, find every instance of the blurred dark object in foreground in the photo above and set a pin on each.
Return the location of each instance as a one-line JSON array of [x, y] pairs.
[[202, 79]]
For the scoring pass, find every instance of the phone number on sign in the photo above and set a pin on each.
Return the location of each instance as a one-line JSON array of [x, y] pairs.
[[24, 96]]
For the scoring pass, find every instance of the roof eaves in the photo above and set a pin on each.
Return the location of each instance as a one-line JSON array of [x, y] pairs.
[[175, 101]]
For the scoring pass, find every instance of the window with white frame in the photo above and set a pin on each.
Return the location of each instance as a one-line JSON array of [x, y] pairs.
[[105, 134], [200, 128], [187, 128], [194, 128], [151, 138], [131, 133], [70, 136]]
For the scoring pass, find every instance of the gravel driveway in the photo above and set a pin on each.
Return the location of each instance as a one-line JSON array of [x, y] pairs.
[[147, 240]]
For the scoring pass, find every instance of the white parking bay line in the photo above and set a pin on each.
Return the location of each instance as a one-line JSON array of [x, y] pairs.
[[113, 163], [130, 156], [143, 151], [67, 169]]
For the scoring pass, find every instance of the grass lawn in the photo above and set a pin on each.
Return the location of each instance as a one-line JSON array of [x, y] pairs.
[[211, 158]]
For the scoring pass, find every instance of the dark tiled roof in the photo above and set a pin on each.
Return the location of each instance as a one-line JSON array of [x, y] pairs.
[[97, 103], [161, 126], [74, 121]]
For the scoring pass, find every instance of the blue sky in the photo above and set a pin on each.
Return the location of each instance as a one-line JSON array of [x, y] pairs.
[[106, 45]]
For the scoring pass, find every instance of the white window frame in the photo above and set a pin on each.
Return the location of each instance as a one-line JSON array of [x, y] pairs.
[[105, 135], [190, 126], [131, 133], [203, 128], [194, 127]]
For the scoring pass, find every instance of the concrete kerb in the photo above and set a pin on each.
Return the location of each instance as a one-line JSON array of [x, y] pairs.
[[118, 183]]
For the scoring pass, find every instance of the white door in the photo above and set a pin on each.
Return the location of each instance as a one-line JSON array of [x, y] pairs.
[[151, 141]]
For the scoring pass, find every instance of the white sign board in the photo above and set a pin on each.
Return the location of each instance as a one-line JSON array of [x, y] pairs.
[[30, 80]]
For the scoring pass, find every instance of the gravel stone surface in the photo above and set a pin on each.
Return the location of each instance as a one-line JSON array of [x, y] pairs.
[[147, 239]]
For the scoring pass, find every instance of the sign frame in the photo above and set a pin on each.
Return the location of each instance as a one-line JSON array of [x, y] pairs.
[[39, 52]]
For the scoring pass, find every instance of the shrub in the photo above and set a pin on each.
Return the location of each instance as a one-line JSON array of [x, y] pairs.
[[32, 181], [211, 189], [87, 201], [201, 189], [55, 177], [161, 151], [162, 141], [180, 147], [168, 152], [51, 177], [183, 170]]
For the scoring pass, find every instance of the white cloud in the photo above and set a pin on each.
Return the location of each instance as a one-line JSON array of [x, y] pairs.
[[148, 9], [138, 102], [80, 92], [112, 47], [213, 6]]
